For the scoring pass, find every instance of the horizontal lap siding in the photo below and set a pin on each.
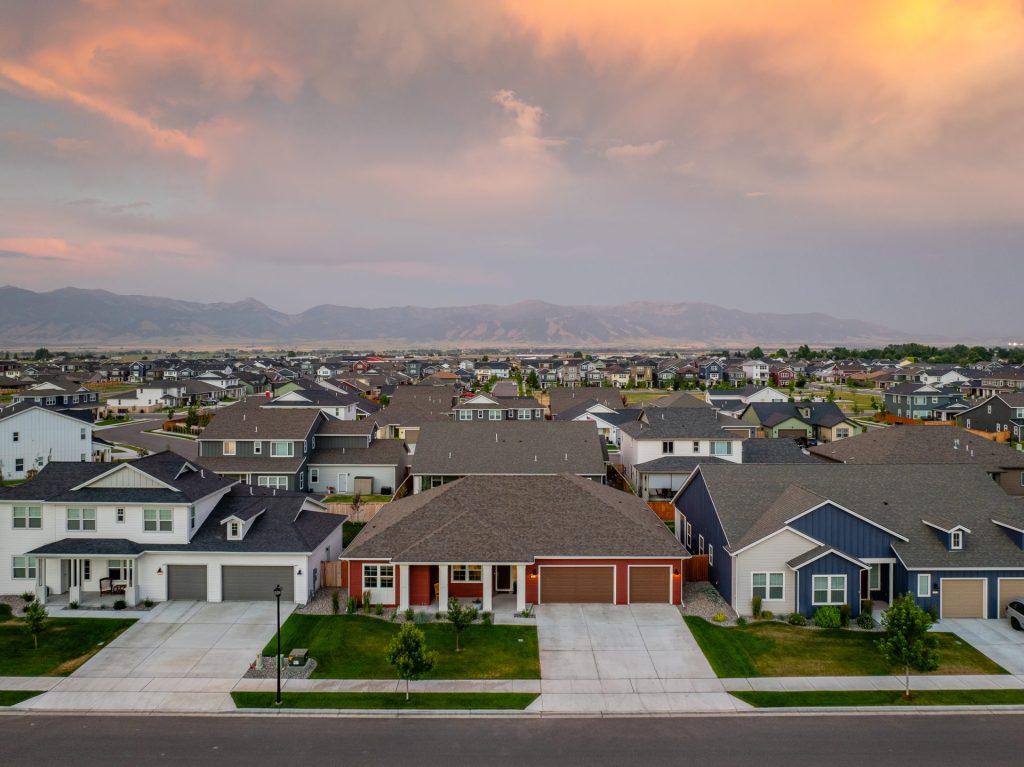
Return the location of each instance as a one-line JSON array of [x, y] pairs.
[[853, 536], [769, 556], [696, 505]]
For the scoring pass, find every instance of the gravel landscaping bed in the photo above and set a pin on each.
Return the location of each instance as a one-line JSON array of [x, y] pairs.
[[702, 600], [321, 603], [269, 670]]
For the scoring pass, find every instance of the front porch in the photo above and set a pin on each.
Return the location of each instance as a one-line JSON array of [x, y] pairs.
[[481, 584], [87, 580]]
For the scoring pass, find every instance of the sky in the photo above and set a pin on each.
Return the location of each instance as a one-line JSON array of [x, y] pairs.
[[862, 159]]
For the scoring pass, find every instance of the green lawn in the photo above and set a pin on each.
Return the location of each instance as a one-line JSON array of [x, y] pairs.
[[13, 697], [387, 700], [772, 648], [64, 645], [882, 698], [364, 499], [353, 647], [350, 531]]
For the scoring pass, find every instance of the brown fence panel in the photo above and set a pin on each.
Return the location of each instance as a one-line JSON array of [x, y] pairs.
[[334, 575], [696, 568], [665, 510]]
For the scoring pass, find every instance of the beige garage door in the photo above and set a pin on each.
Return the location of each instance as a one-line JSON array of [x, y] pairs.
[[649, 583], [577, 584], [1009, 589], [963, 598]]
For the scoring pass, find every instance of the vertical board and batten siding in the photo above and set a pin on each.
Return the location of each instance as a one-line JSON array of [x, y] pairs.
[[835, 527], [245, 448], [830, 564], [769, 556], [907, 581], [339, 441], [695, 504], [128, 477]]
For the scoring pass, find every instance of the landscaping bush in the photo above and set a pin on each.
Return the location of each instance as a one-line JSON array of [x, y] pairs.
[[366, 601], [865, 621], [28, 596], [487, 617], [351, 606], [755, 606], [719, 617], [741, 621], [393, 616], [147, 602], [335, 603], [120, 604], [867, 606], [409, 614], [72, 605], [827, 617], [767, 615], [844, 616], [797, 619], [422, 617], [933, 613], [379, 609]]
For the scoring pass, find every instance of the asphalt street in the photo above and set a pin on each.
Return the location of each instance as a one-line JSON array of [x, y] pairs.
[[904, 739], [134, 433]]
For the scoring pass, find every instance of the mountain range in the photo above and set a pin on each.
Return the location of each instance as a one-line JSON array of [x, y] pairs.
[[75, 317]]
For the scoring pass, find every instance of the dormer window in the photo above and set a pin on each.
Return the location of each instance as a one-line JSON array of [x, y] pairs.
[[956, 540], [234, 531]]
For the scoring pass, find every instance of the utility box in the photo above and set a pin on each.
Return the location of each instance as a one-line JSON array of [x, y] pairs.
[[298, 657]]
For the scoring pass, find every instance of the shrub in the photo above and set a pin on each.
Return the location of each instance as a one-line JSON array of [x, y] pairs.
[[72, 605], [366, 601], [933, 613], [147, 602], [867, 606], [473, 614], [379, 609], [487, 617], [741, 621], [797, 619], [767, 615], [827, 617], [28, 596], [422, 617], [335, 602], [351, 606], [719, 617], [755, 606], [409, 614], [844, 616], [393, 616], [865, 621], [120, 604]]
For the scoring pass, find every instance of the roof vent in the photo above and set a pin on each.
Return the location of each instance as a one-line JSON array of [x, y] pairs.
[[535, 459], [202, 473], [250, 490]]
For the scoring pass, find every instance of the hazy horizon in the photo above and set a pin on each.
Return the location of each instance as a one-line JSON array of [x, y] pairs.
[[863, 161]]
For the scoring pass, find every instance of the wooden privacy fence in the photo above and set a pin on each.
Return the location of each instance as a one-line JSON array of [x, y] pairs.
[[665, 510], [333, 575], [696, 568], [365, 513]]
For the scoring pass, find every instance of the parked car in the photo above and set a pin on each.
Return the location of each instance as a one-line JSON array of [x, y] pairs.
[[1015, 612], [806, 441], [208, 402]]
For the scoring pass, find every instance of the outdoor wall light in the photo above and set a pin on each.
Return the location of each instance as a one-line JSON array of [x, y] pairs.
[[160, 571], [533, 573], [299, 572]]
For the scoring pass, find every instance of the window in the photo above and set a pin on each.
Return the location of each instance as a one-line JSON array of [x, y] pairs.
[[711, 555], [302, 480], [230, 447], [968, 423], [19, 464], [81, 519], [956, 540], [257, 448], [465, 415], [700, 544], [494, 415], [689, 534], [86, 569], [696, 447], [24, 567], [828, 589], [538, 415], [721, 448], [314, 476], [277, 482], [15, 436], [378, 576], [119, 516], [234, 530], [842, 433], [768, 586], [192, 518], [667, 448], [1019, 413], [988, 409], [875, 577], [924, 585], [524, 415], [467, 573], [157, 520], [81, 433], [28, 517], [115, 569], [282, 449], [480, 414]]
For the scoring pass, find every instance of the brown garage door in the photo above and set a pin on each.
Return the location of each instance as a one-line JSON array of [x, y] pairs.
[[1009, 589], [577, 584], [794, 433], [963, 598], [649, 583]]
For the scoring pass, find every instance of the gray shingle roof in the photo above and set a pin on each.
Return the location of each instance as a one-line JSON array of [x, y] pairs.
[[509, 447], [248, 420], [775, 451], [683, 423], [384, 452], [514, 519]]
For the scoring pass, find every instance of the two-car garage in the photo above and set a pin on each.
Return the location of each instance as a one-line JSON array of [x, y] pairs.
[[583, 584], [245, 583]]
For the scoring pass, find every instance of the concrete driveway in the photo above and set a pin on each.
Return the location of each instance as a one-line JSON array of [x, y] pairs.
[[616, 658], [995, 638], [182, 656]]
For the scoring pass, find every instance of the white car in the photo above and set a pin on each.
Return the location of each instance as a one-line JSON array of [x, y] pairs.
[[1015, 612]]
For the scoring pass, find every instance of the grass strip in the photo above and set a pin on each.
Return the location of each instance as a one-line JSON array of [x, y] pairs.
[[13, 697], [849, 698], [388, 700]]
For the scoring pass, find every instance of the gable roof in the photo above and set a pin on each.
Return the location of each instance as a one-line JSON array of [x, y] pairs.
[[514, 519], [683, 423], [249, 420]]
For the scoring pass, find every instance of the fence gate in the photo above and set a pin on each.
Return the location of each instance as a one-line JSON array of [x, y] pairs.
[[333, 575]]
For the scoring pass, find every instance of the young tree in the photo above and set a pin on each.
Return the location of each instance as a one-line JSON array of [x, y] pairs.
[[781, 354], [907, 641], [408, 653], [831, 396], [459, 617], [532, 381], [35, 620], [756, 353]]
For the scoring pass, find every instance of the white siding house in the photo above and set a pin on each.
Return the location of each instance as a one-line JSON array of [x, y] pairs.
[[32, 436]]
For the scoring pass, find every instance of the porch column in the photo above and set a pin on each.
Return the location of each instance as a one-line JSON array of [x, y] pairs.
[[131, 591], [41, 580], [403, 587], [75, 590], [442, 592], [520, 588], [488, 583]]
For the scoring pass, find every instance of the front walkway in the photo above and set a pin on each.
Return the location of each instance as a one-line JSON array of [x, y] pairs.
[[181, 656]]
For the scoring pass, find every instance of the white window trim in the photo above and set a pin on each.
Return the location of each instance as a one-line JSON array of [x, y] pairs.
[[700, 544], [768, 585], [876, 571], [157, 520], [31, 566], [28, 517], [289, 454], [828, 589], [372, 575], [81, 518], [956, 540], [257, 448], [280, 481], [689, 534], [494, 414], [468, 575], [928, 585], [711, 555], [119, 516], [465, 415], [234, 447], [314, 476]]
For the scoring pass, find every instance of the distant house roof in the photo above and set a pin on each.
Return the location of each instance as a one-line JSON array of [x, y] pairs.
[[249, 420], [683, 423], [561, 398], [382, 452]]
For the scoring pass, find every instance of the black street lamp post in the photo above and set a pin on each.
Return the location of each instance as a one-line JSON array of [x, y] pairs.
[[277, 593]]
